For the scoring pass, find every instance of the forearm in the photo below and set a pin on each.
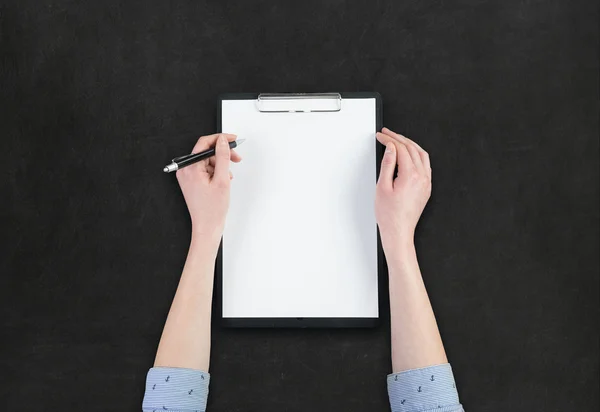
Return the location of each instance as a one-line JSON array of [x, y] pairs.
[[416, 340], [185, 341]]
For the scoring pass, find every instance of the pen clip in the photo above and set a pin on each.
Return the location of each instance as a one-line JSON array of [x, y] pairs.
[[180, 158]]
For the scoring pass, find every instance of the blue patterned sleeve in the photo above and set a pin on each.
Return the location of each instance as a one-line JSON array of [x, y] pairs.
[[176, 390], [422, 390]]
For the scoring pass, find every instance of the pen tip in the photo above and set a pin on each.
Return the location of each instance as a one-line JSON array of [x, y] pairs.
[[166, 169], [240, 141]]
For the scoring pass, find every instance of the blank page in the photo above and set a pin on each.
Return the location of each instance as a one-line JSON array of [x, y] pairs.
[[301, 237]]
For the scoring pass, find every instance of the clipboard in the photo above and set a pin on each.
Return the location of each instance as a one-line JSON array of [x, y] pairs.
[[276, 300]]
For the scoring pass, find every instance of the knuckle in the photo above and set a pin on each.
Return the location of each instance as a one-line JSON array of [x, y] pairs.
[[389, 159], [182, 174], [381, 192], [222, 183], [426, 185]]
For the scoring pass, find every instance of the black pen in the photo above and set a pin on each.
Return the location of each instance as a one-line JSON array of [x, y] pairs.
[[183, 161]]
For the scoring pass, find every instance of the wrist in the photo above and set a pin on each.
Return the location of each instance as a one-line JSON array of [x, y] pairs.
[[397, 244], [209, 235], [399, 253], [205, 244]]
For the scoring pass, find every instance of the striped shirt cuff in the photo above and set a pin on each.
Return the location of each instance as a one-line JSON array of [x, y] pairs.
[[176, 390], [425, 389]]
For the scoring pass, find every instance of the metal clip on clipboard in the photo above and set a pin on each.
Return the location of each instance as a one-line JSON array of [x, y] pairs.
[[299, 102]]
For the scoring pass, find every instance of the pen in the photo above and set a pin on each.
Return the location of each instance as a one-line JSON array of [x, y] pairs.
[[190, 159]]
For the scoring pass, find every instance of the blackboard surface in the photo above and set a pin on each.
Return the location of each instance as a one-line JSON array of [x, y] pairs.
[[96, 97]]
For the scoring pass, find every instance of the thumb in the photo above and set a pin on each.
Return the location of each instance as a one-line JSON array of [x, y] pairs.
[[221, 175], [388, 165]]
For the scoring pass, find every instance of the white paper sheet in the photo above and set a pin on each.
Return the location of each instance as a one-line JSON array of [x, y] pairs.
[[301, 238]]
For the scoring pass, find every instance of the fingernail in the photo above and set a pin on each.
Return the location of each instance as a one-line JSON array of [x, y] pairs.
[[389, 148]]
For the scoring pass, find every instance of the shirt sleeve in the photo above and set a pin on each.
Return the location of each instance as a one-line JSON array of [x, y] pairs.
[[176, 390], [422, 390]]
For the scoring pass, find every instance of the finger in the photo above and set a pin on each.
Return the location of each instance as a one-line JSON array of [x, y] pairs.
[[385, 138], [400, 145], [392, 134], [424, 156], [405, 163], [399, 137], [388, 166], [416, 151], [230, 175], [222, 158], [426, 163], [415, 155], [207, 142], [235, 158]]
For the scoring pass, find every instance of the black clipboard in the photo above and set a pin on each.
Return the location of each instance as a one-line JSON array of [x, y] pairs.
[[382, 278]]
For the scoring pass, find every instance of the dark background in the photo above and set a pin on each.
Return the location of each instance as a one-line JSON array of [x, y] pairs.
[[96, 96]]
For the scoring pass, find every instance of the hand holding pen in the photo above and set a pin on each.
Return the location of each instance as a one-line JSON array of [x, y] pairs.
[[190, 159], [205, 187]]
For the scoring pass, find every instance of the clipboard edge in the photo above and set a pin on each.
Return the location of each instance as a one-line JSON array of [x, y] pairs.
[[301, 323]]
